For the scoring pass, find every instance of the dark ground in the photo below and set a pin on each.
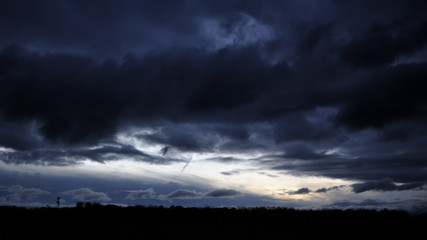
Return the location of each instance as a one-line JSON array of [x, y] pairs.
[[94, 221]]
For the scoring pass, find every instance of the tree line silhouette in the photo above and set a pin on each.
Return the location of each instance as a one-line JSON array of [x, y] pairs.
[[94, 220]]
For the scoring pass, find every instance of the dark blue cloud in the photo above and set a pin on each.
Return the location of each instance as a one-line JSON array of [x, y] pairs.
[[140, 194], [87, 194], [191, 194], [300, 191], [71, 156], [220, 193], [16, 194], [386, 184]]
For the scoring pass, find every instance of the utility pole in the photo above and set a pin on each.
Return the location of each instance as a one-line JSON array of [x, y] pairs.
[[58, 198]]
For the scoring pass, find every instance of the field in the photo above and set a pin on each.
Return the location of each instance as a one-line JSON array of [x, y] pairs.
[[94, 221]]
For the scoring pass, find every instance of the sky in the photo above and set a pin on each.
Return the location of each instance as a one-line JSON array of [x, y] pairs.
[[308, 104]]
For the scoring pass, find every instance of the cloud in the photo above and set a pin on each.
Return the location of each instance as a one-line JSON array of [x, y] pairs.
[[115, 85], [385, 184], [398, 86], [210, 24], [360, 168], [301, 152], [223, 193], [90, 37], [87, 194], [384, 43], [25, 139], [209, 137], [229, 173], [164, 150], [140, 194], [182, 194], [300, 191], [324, 190], [238, 29], [18, 193], [303, 191], [190, 194], [70, 156]]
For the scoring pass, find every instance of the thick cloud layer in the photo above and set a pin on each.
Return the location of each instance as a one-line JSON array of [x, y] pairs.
[[383, 185], [321, 88]]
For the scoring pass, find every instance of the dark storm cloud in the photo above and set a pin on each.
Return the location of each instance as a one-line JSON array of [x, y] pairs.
[[383, 43], [70, 156], [75, 100], [111, 28], [301, 152], [184, 138], [293, 81], [296, 126], [206, 137], [231, 84], [393, 95], [386, 184], [83, 27], [366, 168], [18, 136], [50, 89]]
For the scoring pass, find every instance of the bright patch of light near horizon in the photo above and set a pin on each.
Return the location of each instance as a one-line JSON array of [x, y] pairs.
[[202, 170], [203, 174]]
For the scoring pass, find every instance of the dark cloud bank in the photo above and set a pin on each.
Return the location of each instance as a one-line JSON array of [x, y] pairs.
[[271, 76]]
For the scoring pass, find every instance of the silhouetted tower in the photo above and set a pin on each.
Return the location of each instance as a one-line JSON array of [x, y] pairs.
[[58, 198]]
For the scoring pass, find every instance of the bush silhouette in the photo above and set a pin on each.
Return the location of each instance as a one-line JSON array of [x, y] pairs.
[[79, 205]]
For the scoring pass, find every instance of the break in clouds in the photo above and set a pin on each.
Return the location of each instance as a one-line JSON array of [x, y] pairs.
[[316, 88]]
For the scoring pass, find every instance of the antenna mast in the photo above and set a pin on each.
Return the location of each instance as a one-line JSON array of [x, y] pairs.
[[58, 200]]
